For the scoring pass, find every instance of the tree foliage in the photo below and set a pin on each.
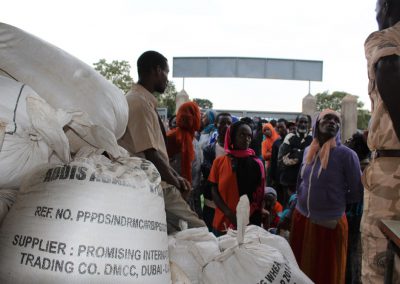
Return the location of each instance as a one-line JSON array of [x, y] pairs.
[[334, 101], [168, 98], [363, 117], [118, 72], [203, 103]]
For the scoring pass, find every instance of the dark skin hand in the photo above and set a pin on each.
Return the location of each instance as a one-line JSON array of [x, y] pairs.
[[219, 202], [388, 83], [167, 173], [265, 212]]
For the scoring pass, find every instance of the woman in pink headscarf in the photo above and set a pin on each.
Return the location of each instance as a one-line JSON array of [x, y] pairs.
[[237, 173]]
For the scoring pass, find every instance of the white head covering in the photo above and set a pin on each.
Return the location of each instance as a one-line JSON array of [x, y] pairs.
[[270, 190]]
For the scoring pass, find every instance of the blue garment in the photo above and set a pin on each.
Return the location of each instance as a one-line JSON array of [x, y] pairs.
[[211, 115], [208, 129], [324, 197], [287, 213], [213, 137]]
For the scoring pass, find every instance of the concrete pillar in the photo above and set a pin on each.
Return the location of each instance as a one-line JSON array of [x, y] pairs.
[[349, 116], [309, 105], [181, 98]]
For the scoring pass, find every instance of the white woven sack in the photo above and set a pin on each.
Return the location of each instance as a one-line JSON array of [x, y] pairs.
[[251, 262], [190, 248], [92, 221], [31, 132], [13, 96], [257, 234], [7, 199], [177, 275], [3, 127], [61, 79], [82, 132]]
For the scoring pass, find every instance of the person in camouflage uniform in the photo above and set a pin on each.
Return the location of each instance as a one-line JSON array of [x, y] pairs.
[[382, 177]]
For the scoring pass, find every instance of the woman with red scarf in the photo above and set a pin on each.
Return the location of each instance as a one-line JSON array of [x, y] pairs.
[[270, 137], [237, 173], [266, 147], [180, 140]]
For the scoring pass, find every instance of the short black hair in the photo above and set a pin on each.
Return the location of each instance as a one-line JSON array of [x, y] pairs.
[[247, 120], [358, 144], [304, 115], [283, 120], [221, 114], [149, 61]]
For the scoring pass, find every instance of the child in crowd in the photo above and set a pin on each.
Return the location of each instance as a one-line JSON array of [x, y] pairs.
[[237, 173], [271, 209], [285, 217]]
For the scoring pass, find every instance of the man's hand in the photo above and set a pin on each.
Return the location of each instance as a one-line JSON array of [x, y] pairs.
[[184, 187], [265, 212], [288, 161]]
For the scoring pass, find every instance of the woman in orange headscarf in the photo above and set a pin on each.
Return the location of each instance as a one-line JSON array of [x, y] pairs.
[[180, 140], [266, 146]]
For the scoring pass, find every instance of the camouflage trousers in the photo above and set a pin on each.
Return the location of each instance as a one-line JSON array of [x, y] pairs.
[[381, 180]]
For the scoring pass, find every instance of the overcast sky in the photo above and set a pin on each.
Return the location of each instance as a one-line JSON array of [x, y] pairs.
[[333, 31]]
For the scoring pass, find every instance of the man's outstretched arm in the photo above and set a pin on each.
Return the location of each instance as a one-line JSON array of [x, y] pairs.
[[167, 173]]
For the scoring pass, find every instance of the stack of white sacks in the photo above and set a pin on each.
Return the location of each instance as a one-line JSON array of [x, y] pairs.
[[70, 214], [248, 255], [44, 91]]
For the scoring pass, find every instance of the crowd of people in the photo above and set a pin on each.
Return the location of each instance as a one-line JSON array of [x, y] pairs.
[[301, 186], [298, 177], [302, 182]]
